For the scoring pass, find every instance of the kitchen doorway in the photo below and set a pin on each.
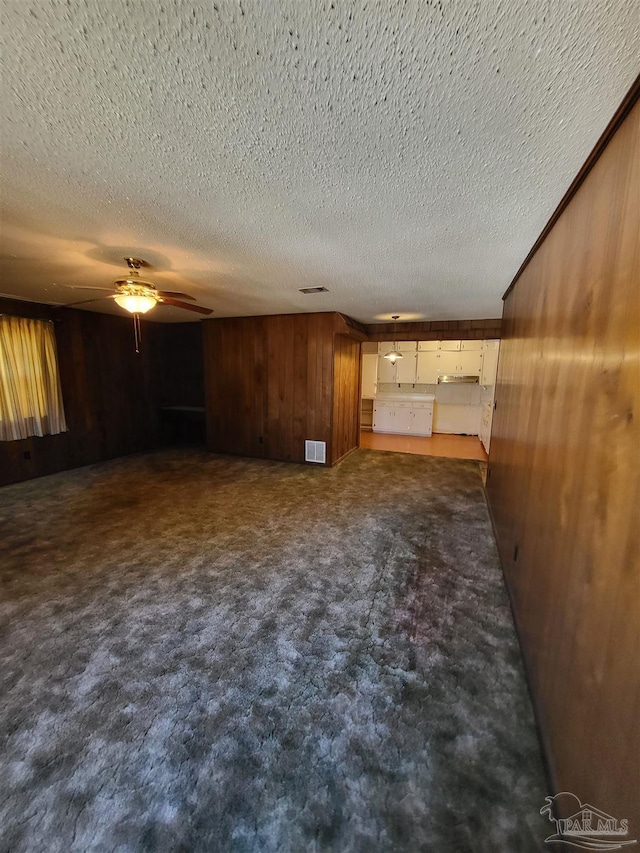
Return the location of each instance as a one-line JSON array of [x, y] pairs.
[[435, 399]]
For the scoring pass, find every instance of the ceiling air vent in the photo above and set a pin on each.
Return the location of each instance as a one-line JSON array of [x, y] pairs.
[[314, 290], [315, 451]]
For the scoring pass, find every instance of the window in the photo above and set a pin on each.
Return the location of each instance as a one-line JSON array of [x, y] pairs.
[[30, 393]]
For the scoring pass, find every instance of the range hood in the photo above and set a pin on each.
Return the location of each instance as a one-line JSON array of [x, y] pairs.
[[456, 378]]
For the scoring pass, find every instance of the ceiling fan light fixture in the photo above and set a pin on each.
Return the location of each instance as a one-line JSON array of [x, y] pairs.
[[136, 303]]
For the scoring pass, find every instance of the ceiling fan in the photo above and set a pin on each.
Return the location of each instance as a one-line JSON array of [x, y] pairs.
[[138, 295]]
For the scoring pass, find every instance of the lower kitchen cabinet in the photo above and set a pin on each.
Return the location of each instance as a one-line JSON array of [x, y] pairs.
[[485, 425], [405, 418]]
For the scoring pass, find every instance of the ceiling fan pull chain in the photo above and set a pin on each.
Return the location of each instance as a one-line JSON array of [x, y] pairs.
[[137, 331]]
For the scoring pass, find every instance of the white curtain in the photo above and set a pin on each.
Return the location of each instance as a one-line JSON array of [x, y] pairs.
[[30, 393]]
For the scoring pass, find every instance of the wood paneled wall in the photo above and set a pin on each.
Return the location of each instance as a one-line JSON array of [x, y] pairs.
[[346, 397], [564, 479], [107, 392], [269, 384], [436, 330]]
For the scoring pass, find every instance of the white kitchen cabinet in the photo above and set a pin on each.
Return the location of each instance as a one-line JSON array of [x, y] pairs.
[[471, 345], [427, 367], [428, 346], [383, 417], [470, 362], [369, 374], [448, 362], [422, 419], [450, 346], [486, 418], [403, 417], [400, 346], [489, 362], [406, 368], [463, 363], [386, 369]]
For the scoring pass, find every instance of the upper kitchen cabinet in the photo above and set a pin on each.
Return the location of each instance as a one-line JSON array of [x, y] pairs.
[[470, 362], [386, 368], [406, 367], [427, 367], [400, 346], [489, 362], [404, 370], [424, 361], [462, 363]]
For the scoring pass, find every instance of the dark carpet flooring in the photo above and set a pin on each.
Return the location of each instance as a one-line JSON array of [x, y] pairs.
[[202, 653]]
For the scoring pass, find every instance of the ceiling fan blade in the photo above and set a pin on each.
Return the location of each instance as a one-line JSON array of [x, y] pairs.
[[82, 287], [174, 294], [85, 301], [166, 300]]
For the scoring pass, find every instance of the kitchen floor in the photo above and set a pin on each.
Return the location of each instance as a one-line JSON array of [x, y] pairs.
[[439, 444]]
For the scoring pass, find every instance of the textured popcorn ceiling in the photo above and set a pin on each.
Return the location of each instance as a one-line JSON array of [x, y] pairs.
[[405, 155]]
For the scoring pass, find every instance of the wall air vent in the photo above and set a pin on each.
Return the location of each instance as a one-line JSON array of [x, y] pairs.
[[315, 451], [314, 290]]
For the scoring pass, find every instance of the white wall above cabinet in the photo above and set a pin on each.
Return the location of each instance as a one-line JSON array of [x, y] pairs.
[[456, 420], [369, 375]]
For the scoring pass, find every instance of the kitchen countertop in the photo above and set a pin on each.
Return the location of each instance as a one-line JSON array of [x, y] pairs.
[[406, 398]]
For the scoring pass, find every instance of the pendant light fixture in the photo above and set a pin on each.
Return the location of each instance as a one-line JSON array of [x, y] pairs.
[[393, 355]]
